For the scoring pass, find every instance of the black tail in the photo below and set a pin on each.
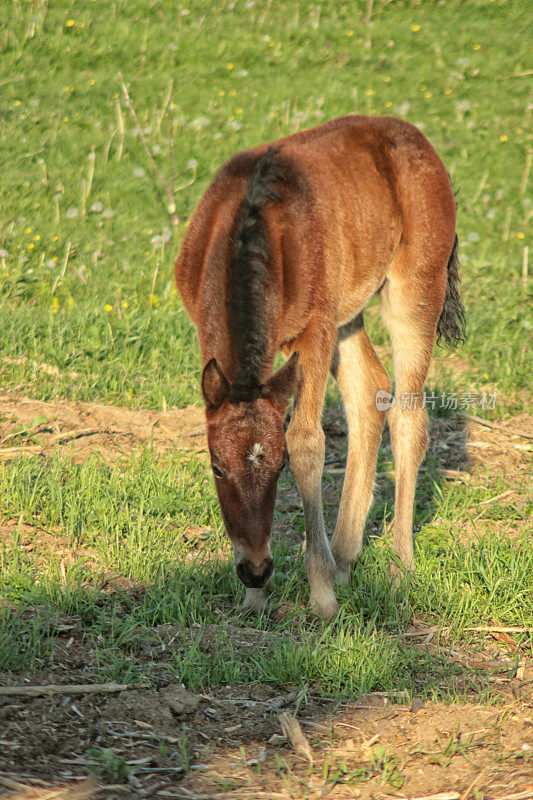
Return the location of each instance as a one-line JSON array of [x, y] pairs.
[[452, 322]]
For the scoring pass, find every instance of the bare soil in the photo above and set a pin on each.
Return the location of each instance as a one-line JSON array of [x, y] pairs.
[[227, 742], [31, 426], [166, 742]]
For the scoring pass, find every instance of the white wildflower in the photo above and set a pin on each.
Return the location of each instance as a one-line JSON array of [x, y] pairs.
[[403, 108]]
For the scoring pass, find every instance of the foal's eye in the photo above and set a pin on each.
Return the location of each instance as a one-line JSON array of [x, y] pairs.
[[217, 472]]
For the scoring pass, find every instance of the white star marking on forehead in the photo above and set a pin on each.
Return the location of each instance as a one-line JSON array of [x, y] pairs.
[[255, 452]]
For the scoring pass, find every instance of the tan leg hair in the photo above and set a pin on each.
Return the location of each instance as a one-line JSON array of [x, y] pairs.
[[361, 376], [411, 326], [306, 446]]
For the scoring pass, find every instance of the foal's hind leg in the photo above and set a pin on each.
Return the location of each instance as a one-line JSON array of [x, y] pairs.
[[410, 311], [361, 377], [306, 446]]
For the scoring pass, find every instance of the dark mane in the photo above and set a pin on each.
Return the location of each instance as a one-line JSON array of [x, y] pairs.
[[248, 275]]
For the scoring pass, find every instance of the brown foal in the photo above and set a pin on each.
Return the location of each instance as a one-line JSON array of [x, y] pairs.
[[287, 247]]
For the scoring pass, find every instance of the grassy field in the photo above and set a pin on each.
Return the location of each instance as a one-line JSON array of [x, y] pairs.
[[90, 314]]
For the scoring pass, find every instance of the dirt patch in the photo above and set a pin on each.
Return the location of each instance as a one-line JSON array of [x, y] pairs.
[[226, 741], [369, 750], [30, 426], [229, 743]]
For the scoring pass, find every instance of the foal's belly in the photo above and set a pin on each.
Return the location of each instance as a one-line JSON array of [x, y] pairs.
[[359, 276]]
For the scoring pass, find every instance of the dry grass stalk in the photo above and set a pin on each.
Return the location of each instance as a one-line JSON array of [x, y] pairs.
[[171, 203], [293, 731]]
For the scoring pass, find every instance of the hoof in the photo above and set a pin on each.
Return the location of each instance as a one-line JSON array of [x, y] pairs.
[[342, 576], [255, 602], [401, 573], [326, 608]]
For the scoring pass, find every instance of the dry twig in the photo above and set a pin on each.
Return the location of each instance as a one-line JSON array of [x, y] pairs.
[[499, 427], [70, 688]]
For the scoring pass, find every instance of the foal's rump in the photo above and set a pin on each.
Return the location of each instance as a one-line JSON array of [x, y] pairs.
[[386, 207]]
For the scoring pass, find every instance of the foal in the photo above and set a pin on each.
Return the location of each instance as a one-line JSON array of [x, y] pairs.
[[287, 247]]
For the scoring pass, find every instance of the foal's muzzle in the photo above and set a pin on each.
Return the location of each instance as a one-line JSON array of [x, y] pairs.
[[254, 577]]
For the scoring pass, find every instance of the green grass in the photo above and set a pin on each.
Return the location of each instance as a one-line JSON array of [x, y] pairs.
[[135, 514], [214, 78], [239, 74]]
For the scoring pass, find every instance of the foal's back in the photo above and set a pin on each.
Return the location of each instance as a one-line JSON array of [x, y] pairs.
[[361, 201]]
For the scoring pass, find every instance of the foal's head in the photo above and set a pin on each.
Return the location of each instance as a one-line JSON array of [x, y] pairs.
[[247, 446]]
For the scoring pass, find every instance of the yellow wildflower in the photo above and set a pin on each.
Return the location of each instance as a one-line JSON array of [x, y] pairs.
[[28, 230], [55, 305], [447, 91], [36, 237], [415, 28], [125, 304], [520, 235], [69, 23], [31, 246], [477, 47], [17, 102], [349, 33], [369, 92], [230, 66], [503, 138], [428, 95], [108, 308]]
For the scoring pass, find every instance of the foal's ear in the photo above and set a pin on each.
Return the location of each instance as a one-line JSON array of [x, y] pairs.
[[283, 384], [215, 387]]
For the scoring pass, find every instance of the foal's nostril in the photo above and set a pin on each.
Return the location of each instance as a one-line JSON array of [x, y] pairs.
[[254, 576]]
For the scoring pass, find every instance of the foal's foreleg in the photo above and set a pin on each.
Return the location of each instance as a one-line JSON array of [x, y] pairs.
[[365, 387], [306, 446]]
